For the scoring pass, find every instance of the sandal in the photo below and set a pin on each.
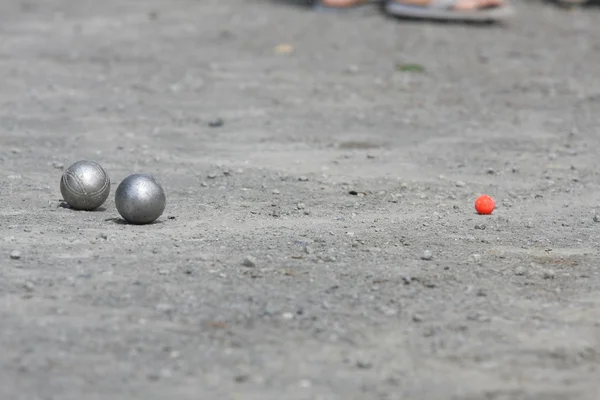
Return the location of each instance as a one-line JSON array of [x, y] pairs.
[[444, 10]]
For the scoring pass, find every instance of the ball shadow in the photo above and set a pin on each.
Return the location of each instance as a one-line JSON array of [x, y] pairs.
[[449, 22], [121, 221], [64, 204]]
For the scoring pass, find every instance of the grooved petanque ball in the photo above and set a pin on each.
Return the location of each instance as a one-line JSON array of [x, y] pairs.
[[85, 185]]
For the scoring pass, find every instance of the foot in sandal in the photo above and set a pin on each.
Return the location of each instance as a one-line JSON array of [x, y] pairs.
[[342, 4], [468, 10]]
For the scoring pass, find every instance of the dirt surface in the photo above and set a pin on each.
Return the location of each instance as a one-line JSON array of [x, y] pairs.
[[322, 242]]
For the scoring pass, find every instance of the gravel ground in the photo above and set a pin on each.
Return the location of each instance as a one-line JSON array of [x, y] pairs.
[[319, 240]]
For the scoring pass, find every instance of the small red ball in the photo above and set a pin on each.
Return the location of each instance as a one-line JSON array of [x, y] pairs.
[[485, 204]]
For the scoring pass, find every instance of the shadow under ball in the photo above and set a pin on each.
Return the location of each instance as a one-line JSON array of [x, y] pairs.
[[140, 199], [85, 185]]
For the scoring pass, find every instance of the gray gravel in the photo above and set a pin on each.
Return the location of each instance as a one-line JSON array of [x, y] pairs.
[[335, 168]]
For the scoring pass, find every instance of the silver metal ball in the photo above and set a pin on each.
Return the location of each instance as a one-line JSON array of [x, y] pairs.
[[140, 199], [85, 185]]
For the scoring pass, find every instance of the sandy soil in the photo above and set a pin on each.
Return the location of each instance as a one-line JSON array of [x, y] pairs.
[[322, 242]]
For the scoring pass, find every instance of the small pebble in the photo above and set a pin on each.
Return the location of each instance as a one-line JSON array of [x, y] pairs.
[[153, 376], [596, 218], [305, 384], [249, 262], [389, 311], [363, 364], [15, 255], [275, 191], [460, 184], [427, 255], [520, 271], [241, 378], [476, 258], [329, 258], [164, 308], [308, 250], [548, 274], [215, 123], [480, 227], [284, 48], [303, 179], [212, 175], [352, 69], [478, 317], [300, 206]]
